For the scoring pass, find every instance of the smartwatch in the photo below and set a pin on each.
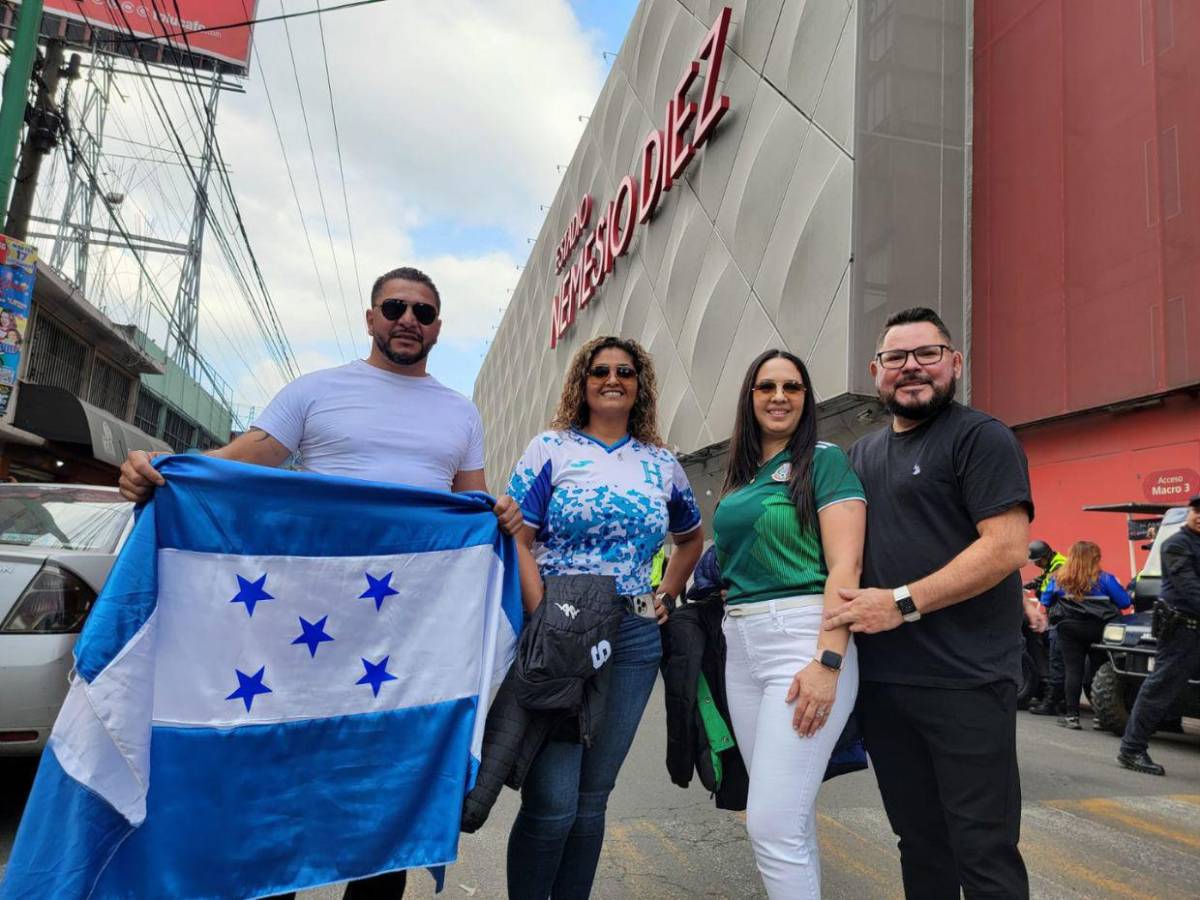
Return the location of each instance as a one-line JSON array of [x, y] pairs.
[[831, 659], [904, 603]]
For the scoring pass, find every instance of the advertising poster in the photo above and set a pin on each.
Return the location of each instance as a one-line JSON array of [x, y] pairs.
[[17, 261]]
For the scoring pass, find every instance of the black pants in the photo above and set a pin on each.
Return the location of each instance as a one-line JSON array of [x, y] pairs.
[[388, 886], [1075, 637], [1056, 679], [946, 763], [1176, 659]]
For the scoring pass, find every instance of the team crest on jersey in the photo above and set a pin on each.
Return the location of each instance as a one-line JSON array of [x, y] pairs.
[[783, 473]]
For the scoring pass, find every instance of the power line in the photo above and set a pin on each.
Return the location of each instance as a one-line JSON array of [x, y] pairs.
[[337, 269], [135, 39], [337, 138]]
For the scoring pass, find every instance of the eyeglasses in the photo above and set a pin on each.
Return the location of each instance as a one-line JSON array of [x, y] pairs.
[[425, 313], [625, 373], [768, 388], [929, 355]]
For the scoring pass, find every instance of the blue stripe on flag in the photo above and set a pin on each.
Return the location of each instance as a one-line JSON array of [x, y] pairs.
[[218, 506], [371, 793], [60, 854], [128, 599]]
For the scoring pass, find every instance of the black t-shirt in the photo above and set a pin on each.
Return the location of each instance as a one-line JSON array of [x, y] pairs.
[[926, 490]]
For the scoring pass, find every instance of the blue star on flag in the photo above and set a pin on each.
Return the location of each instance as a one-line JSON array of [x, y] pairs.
[[251, 592], [250, 686], [376, 674], [312, 634], [377, 589]]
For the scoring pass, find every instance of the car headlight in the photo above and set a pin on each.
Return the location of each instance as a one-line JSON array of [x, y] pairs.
[[55, 602], [1114, 634]]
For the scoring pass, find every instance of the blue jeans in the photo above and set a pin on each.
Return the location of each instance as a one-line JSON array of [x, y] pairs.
[[555, 841]]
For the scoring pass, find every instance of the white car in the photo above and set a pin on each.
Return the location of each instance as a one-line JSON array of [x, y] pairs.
[[57, 545]]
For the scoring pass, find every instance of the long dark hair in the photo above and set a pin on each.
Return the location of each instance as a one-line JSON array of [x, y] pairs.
[[745, 445]]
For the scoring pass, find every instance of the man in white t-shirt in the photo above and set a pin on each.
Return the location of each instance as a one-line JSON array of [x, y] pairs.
[[379, 419]]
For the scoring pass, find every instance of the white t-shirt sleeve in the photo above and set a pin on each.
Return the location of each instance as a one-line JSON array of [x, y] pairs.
[[283, 419], [532, 481], [473, 460], [682, 510]]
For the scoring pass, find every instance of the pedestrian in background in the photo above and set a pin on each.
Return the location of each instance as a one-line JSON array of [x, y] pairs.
[[938, 627], [1177, 651], [789, 533], [1081, 598], [599, 493]]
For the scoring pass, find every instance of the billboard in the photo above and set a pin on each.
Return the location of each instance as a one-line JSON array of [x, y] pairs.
[[158, 24], [17, 261]]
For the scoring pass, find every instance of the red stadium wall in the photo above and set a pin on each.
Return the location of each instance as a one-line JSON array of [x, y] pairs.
[[1086, 206], [1146, 455]]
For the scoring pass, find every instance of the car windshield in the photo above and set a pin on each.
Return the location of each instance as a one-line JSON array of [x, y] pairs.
[[62, 518], [1171, 523]]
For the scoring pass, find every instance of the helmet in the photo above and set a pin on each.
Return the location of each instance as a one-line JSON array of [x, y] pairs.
[[1039, 550]]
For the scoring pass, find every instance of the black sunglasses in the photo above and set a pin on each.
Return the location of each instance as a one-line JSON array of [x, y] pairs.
[[425, 313], [625, 373], [768, 388]]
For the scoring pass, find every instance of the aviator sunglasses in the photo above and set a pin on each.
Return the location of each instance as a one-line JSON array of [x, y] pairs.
[[425, 313], [767, 388], [624, 372]]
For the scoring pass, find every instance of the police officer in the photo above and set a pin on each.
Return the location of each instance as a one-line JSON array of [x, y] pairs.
[[1177, 630], [1043, 555]]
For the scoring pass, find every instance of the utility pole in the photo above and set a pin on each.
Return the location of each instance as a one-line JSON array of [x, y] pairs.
[[16, 91], [45, 121]]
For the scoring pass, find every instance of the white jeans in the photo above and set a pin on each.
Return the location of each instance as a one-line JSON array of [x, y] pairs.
[[764, 654]]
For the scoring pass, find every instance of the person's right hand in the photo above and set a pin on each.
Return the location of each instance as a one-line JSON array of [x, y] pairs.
[[138, 477]]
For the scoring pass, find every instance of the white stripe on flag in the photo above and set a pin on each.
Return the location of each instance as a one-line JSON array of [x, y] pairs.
[[432, 631]]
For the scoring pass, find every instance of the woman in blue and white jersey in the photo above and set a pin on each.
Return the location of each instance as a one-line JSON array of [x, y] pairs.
[[599, 493]]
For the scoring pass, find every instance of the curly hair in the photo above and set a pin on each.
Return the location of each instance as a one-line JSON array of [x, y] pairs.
[[573, 410]]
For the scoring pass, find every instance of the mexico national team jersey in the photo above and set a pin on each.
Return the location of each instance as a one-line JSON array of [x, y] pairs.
[[601, 509], [763, 552]]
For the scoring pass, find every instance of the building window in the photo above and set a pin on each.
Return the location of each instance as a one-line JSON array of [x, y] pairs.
[[56, 358], [109, 389], [149, 408], [178, 432]]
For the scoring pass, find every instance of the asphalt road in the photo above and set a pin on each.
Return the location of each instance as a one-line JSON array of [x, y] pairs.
[[1090, 829]]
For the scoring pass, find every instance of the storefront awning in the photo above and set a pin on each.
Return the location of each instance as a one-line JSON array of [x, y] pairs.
[[58, 415]]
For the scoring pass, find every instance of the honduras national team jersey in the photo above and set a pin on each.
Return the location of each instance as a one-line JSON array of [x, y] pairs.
[[601, 509]]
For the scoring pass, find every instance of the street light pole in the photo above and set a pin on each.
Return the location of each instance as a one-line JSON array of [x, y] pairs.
[[16, 91]]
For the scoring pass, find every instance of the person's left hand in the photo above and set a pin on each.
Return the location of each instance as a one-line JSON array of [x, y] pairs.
[[866, 610], [508, 511], [662, 608], [813, 689], [1035, 615]]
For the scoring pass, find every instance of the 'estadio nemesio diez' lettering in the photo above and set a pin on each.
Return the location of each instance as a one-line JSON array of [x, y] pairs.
[[664, 156]]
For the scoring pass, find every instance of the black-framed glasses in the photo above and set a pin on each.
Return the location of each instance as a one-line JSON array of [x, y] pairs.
[[768, 388], [624, 372], [425, 313], [929, 355]]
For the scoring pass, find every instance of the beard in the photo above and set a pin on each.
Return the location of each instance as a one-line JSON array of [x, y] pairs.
[[921, 412], [402, 359]]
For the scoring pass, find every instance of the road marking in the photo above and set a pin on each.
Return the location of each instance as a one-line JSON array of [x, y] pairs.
[[856, 863], [1056, 861], [1112, 810], [666, 840]]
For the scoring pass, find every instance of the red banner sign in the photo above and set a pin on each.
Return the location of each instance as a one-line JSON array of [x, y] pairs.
[[156, 18], [1171, 485], [665, 155]]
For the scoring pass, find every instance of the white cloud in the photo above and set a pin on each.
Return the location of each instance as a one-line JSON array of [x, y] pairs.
[[452, 116]]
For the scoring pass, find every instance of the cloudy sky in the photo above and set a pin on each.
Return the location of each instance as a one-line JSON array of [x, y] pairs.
[[452, 115]]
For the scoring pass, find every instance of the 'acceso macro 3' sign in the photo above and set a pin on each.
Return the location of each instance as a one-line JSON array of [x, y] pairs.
[[664, 156]]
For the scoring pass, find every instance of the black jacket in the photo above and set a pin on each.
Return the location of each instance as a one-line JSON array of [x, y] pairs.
[[1181, 571], [694, 644], [555, 688]]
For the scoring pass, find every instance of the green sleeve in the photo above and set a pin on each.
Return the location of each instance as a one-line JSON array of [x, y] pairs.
[[833, 478]]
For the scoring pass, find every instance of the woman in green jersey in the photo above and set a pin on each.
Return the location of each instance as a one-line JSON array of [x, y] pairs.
[[789, 532]]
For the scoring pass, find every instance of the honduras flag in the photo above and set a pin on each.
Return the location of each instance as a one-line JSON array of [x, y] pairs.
[[283, 684]]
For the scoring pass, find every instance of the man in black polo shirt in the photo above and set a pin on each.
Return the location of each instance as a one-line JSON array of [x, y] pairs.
[[938, 622]]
